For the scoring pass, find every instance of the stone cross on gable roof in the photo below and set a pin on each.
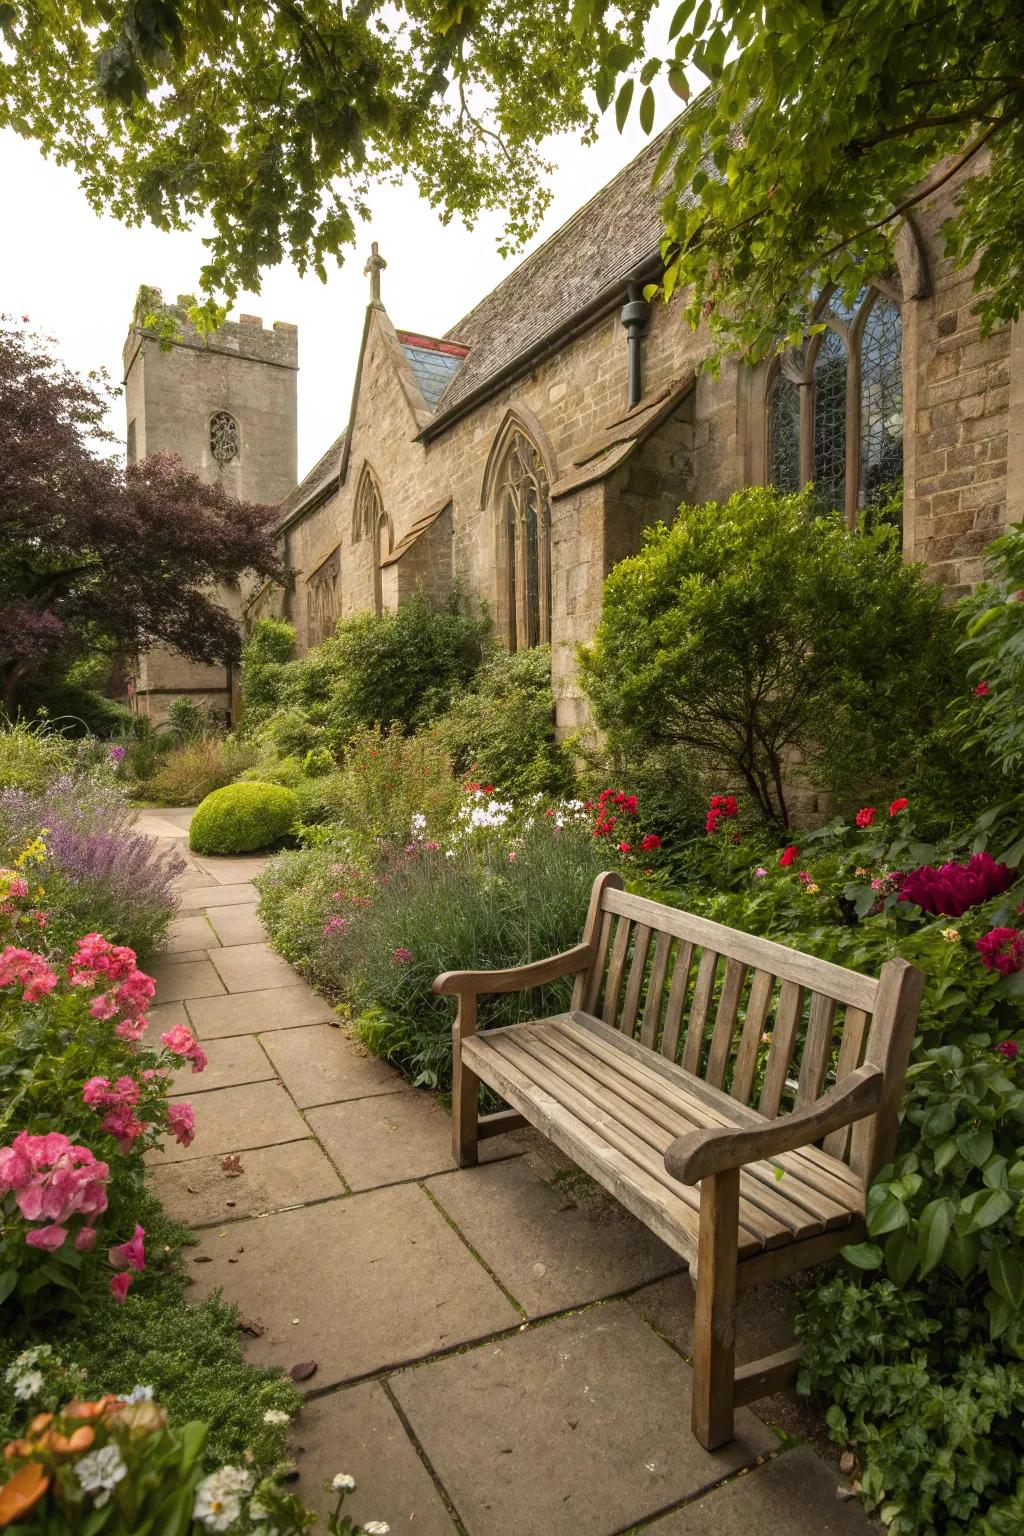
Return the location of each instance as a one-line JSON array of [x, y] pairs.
[[374, 267]]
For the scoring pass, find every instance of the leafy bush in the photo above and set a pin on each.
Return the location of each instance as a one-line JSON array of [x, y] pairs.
[[994, 645], [387, 779], [32, 755], [187, 774], [188, 721], [100, 871], [751, 632], [502, 730], [243, 818], [267, 651]]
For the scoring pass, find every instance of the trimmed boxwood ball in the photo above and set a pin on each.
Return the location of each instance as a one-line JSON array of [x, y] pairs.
[[242, 818]]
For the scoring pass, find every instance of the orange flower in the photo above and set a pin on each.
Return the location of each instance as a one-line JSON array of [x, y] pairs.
[[80, 1439], [40, 1422], [94, 1410], [25, 1488]]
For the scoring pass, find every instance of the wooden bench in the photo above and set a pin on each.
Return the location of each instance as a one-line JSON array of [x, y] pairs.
[[735, 1102]]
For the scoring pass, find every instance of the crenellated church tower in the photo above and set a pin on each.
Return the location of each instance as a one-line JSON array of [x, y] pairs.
[[226, 405]]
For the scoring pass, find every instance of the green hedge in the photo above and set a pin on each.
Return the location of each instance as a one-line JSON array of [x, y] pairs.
[[243, 818]]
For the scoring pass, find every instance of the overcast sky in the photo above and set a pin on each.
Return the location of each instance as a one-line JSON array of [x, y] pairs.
[[75, 274]]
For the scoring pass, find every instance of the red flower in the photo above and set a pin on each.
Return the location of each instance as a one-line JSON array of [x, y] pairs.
[[866, 815], [625, 847], [895, 806], [953, 888], [789, 855], [983, 690], [726, 805], [711, 823], [1007, 1048], [1002, 950], [652, 840]]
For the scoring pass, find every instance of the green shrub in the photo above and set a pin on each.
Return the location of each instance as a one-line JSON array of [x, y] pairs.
[[502, 731], [265, 656], [188, 721], [243, 818], [185, 775], [751, 632], [32, 755], [994, 647], [387, 779]]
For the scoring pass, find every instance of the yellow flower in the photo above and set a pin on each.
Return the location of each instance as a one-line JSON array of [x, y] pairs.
[[861, 872], [951, 935], [812, 889]]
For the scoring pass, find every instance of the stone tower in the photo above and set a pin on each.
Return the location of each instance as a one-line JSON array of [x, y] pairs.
[[226, 405]]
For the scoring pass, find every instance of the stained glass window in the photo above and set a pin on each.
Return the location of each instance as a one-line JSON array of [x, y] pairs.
[[830, 420], [526, 508], [881, 400], [784, 435]]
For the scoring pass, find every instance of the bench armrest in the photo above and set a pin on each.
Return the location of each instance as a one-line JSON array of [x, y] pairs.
[[694, 1156], [519, 978]]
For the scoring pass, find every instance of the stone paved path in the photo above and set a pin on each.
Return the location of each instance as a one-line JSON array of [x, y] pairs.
[[500, 1351]]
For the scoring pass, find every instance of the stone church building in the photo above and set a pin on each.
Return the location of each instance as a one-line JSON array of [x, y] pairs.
[[522, 453]]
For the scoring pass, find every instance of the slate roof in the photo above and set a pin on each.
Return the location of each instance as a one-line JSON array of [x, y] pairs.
[[324, 471], [435, 363], [604, 243]]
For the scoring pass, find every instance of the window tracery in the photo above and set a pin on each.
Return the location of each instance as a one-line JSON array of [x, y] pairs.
[[224, 440], [524, 510]]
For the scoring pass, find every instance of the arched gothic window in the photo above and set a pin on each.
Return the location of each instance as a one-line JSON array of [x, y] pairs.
[[224, 441], [524, 513], [835, 406], [368, 508]]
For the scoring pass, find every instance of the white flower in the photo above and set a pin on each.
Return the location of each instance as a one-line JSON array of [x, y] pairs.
[[257, 1511], [376, 1528], [138, 1395], [276, 1416], [218, 1504], [100, 1471], [28, 1386], [26, 1360], [343, 1480], [419, 822]]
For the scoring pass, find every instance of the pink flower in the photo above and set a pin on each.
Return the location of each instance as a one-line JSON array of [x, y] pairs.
[[895, 806], [866, 815], [119, 1286], [103, 1007], [124, 1125], [48, 1238], [760, 872], [18, 888], [51, 1179], [983, 690], [1002, 950], [131, 1029], [402, 956], [129, 1255], [28, 970], [86, 1239], [336, 925], [181, 1122], [184, 1043], [1007, 1049], [96, 1091]]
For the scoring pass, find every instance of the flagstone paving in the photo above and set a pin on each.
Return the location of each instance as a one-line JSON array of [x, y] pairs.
[[499, 1351]]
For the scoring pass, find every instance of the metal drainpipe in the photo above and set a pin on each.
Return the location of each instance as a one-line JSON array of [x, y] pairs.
[[635, 314]]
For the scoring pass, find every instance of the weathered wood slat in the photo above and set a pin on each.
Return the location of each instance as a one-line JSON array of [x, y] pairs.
[[616, 970], [780, 1053], [595, 976], [658, 1127], [714, 1319], [655, 991], [851, 1049], [664, 1078], [500, 1122], [725, 1022], [703, 991], [637, 973], [677, 994], [758, 1004], [760, 1378], [762, 954], [817, 1050]]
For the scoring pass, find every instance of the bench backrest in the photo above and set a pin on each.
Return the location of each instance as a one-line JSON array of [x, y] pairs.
[[768, 1025]]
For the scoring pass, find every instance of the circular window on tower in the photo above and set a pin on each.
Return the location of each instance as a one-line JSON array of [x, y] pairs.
[[223, 437]]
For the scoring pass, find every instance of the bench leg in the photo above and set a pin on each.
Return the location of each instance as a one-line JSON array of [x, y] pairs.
[[714, 1330], [465, 1105]]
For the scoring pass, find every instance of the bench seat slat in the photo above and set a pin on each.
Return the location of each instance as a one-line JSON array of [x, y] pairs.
[[617, 1126], [799, 1207], [828, 1172]]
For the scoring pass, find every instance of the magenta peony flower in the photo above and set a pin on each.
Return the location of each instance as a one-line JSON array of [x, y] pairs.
[[953, 888], [48, 1238], [120, 1285], [129, 1255], [181, 1122]]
